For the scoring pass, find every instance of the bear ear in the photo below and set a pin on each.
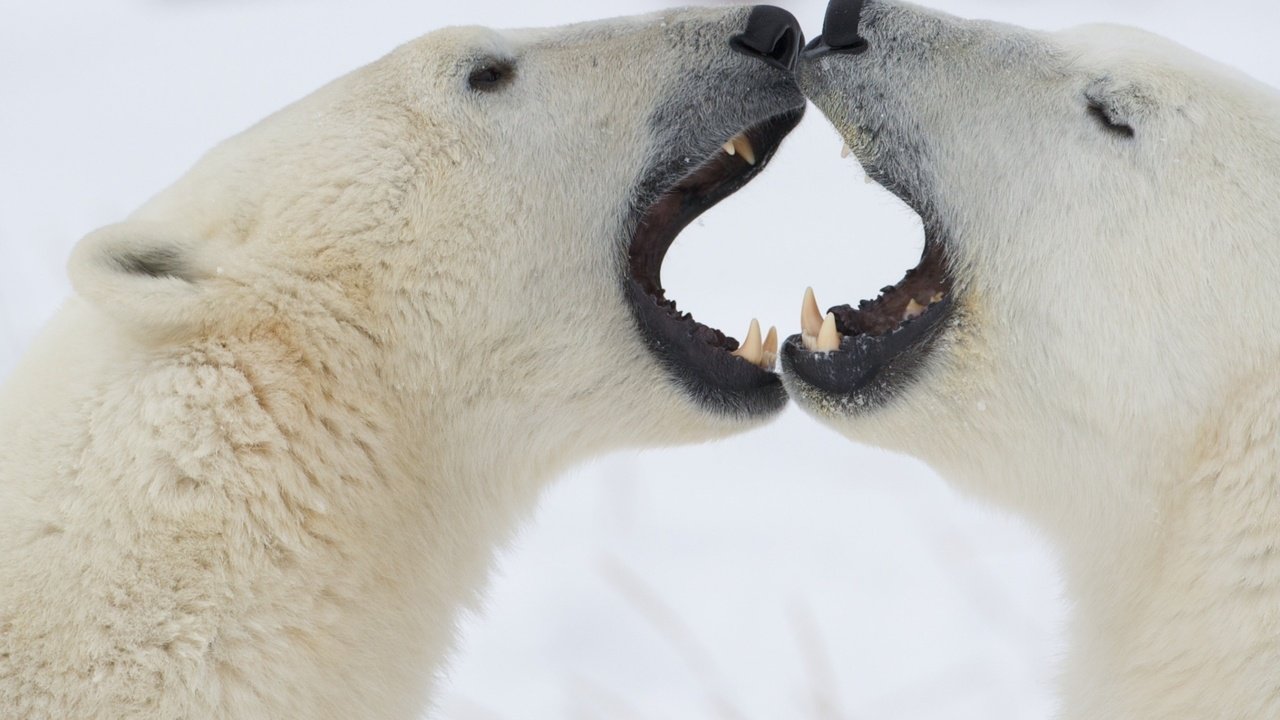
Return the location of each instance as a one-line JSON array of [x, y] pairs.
[[145, 275]]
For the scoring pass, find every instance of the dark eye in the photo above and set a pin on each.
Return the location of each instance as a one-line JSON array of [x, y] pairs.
[[1108, 121], [491, 75]]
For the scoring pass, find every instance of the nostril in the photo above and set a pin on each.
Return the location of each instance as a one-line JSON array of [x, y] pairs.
[[785, 47], [773, 35]]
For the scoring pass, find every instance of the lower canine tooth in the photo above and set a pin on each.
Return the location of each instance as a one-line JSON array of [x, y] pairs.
[[745, 149], [730, 148], [810, 316], [913, 311], [770, 349], [829, 338], [752, 349]]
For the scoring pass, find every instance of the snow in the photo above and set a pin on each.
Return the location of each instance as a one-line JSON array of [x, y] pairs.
[[785, 573]]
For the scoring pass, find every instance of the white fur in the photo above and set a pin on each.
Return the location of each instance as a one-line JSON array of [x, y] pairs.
[[262, 483], [1114, 370]]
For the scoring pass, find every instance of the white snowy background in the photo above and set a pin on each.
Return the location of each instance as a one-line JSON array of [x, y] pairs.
[[783, 574]]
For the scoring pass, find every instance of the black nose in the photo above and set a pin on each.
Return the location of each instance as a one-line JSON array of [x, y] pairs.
[[773, 35], [840, 30]]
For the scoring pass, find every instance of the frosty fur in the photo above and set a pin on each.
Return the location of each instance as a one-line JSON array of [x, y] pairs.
[[1113, 374], [259, 463]]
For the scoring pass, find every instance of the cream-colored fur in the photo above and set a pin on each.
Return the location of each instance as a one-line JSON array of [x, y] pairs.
[[256, 467], [1113, 370]]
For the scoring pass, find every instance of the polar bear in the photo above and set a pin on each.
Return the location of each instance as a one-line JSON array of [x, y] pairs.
[[1086, 338], [258, 463]]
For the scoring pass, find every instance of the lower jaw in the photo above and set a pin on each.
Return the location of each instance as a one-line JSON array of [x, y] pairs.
[[867, 372], [712, 377]]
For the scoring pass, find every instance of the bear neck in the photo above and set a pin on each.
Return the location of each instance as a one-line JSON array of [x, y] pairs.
[[1177, 612], [342, 512], [430, 485]]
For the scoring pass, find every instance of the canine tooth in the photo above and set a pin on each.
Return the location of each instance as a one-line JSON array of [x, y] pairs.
[[845, 151], [810, 320], [745, 149], [937, 298], [770, 349], [913, 311], [829, 338], [730, 148], [752, 350], [771, 341]]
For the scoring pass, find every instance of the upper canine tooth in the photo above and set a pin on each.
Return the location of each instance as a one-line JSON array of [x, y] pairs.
[[770, 349], [810, 319], [752, 349], [745, 149], [829, 338], [913, 311], [730, 148], [845, 151]]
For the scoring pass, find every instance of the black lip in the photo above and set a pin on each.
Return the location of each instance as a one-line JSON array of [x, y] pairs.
[[869, 370], [874, 366], [697, 356]]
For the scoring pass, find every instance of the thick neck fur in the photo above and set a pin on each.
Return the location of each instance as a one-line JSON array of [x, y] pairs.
[[283, 521], [1169, 537], [1181, 617]]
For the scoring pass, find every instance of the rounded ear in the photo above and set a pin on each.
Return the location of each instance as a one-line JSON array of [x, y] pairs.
[[145, 275]]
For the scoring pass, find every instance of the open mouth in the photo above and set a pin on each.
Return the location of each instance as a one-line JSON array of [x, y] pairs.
[[869, 352], [716, 369]]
